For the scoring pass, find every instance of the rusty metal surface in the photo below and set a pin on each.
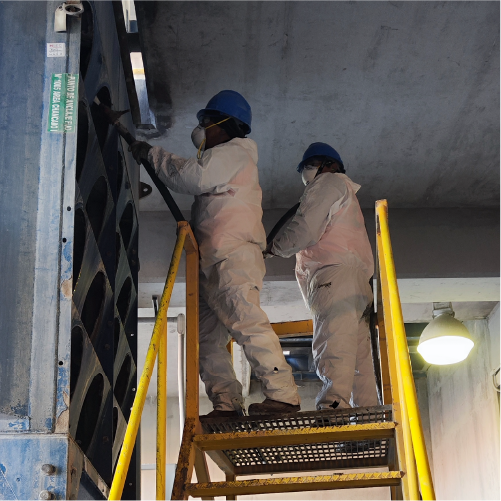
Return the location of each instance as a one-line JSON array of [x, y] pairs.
[[296, 484], [192, 311], [186, 461], [298, 420], [202, 470], [304, 436], [230, 478], [307, 456]]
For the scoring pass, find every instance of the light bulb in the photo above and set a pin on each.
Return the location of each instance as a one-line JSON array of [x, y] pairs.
[[445, 350]]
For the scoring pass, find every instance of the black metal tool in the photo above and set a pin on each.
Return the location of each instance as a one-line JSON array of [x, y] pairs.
[[281, 222], [114, 119]]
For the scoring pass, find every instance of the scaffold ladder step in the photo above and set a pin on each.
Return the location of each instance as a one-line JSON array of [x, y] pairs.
[[301, 436], [295, 484]]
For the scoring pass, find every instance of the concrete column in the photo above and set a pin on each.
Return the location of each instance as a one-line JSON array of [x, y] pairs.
[[464, 416]]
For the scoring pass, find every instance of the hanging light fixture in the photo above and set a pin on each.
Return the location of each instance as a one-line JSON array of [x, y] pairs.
[[444, 340]]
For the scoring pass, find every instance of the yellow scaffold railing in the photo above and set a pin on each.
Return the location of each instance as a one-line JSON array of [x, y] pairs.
[[398, 382], [158, 344], [410, 475]]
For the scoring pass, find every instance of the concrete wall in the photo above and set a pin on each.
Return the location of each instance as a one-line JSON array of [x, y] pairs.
[[464, 416], [442, 242]]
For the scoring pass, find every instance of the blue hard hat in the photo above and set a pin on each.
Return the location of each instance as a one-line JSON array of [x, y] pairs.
[[229, 103], [319, 150]]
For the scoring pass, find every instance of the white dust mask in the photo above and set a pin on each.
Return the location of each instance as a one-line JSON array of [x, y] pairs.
[[198, 136], [308, 174]]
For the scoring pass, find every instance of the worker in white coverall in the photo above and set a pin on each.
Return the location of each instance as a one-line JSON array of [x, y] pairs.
[[226, 219], [333, 266]]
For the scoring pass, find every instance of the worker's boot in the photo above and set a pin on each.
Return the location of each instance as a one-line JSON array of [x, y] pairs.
[[272, 407], [220, 414]]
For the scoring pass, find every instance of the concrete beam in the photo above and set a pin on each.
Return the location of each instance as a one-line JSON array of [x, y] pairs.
[[427, 243]]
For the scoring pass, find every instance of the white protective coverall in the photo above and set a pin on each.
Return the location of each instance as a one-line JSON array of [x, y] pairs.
[[226, 218], [333, 266]]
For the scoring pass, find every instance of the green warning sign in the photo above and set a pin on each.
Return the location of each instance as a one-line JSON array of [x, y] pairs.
[[63, 102]]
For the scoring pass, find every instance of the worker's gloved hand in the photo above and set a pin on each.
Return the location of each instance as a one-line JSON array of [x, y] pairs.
[[139, 150], [267, 252]]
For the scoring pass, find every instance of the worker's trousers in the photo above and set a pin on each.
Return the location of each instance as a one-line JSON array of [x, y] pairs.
[[339, 298], [229, 307]]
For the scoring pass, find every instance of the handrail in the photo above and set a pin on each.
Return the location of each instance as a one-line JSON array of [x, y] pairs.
[[410, 439], [416, 450], [158, 341]]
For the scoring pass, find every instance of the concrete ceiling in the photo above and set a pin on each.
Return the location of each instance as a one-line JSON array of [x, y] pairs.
[[408, 92]]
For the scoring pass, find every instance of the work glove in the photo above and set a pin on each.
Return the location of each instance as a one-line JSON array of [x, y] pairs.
[[267, 252], [139, 150]]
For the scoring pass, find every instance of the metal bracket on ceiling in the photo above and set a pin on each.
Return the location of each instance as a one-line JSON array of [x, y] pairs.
[[441, 308], [69, 8]]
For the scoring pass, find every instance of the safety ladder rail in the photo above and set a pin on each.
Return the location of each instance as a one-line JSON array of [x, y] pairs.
[[158, 345], [398, 389], [195, 443], [409, 474], [398, 382]]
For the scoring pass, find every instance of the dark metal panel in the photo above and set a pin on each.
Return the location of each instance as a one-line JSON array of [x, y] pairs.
[[87, 489], [107, 216]]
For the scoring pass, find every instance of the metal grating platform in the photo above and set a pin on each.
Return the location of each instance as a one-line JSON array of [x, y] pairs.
[[319, 456]]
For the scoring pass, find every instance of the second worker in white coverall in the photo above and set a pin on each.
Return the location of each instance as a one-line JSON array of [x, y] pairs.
[[333, 266], [226, 219]]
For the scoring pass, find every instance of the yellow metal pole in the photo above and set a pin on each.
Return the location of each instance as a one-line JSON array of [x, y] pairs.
[[406, 457], [138, 405], [230, 477], [186, 460], [161, 414], [402, 438], [192, 290], [411, 404], [410, 463], [383, 339]]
